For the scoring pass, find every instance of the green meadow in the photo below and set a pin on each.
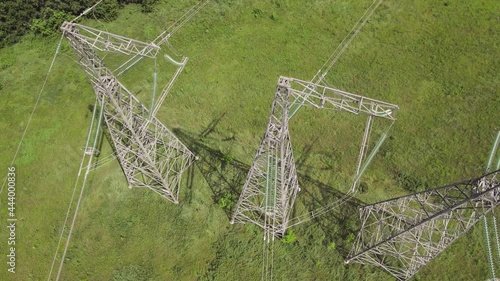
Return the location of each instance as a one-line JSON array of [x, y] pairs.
[[437, 60]]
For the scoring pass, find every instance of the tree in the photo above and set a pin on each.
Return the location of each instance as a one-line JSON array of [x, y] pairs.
[[49, 21], [44, 17]]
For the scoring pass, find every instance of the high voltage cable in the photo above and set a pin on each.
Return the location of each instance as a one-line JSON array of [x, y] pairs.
[[87, 171], [163, 37], [41, 91], [189, 17], [73, 193], [78, 177], [495, 228], [74, 217], [103, 161], [86, 11], [180, 22], [91, 166], [489, 245], [34, 108], [320, 75], [327, 208]]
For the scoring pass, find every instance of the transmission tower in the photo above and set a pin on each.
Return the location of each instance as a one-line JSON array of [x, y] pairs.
[[271, 186], [149, 154], [403, 234]]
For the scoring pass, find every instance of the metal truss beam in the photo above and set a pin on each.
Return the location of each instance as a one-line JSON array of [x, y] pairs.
[[403, 234], [149, 154], [319, 96], [271, 187], [109, 42]]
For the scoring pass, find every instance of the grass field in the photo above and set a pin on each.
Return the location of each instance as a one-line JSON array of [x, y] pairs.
[[438, 60]]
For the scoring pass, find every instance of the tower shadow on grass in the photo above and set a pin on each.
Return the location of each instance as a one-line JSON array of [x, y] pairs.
[[340, 223], [225, 176]]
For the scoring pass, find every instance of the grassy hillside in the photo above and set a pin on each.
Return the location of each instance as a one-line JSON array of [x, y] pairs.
[[437, 60]]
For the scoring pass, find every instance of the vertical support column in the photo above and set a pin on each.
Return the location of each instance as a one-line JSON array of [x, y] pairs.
[[149, 154], [362, 151], [271, 187]]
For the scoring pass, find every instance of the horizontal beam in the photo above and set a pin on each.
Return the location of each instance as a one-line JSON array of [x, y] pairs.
[[150, 155], [109, 42], [319, 96]]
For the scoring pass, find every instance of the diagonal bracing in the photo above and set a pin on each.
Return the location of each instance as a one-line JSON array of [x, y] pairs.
[[149, 154], [271, 187], [403, 234]]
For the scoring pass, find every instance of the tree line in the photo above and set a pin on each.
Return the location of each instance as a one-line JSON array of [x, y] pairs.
[[43, 17]]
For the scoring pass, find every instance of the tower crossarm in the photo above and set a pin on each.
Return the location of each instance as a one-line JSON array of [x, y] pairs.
[[109, 42], [150, 155], [403, 234], [319, 96], [272, 185]]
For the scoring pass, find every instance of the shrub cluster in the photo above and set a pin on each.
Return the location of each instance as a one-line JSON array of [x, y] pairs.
[[43, 17]]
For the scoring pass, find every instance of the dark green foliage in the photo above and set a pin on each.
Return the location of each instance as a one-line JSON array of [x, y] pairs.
[[274, 16], [410, 183], [19, 16], [289, 237], [148, 5], [434, 61], [226, 201], [14, 19], [349, 239], [49, 22], [332, 246], [107, 10], [257, 13], [363, 187], [45, 16]]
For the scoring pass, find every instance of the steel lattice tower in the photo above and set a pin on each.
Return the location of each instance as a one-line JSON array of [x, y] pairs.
[[403, 234], [149, 154], [271, 186]]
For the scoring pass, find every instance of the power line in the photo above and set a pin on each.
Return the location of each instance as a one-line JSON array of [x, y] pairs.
[[344, 44], [34, 108], [86, 11], [488, 248], [118, 104], [91, 153], [403, 234], [73, 193]]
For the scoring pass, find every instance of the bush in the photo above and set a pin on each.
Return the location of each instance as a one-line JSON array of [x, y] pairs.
[[148, 5], [226, 202], [332, 246], [49, 22], [410, 183], [257, 13], [107, 10], [289, 237], [274, 17], [46, 16], [363, 187], [350, 238]]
